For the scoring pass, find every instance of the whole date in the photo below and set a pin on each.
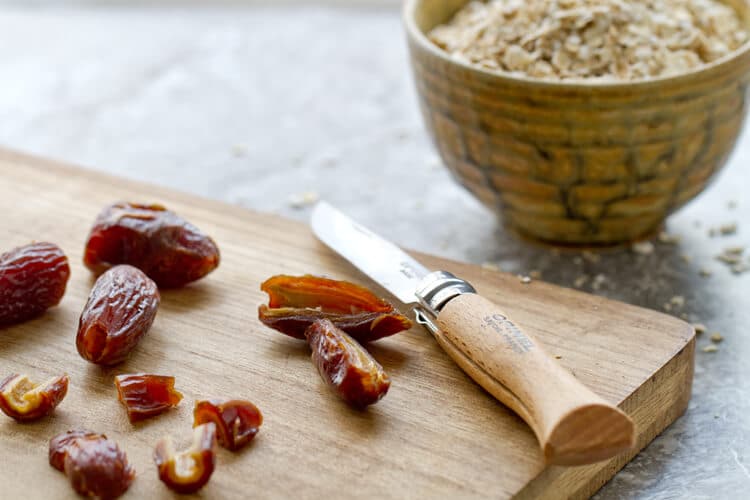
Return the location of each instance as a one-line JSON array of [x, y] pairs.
[[120, 310], [33, 278], [95, 465], [166, 247]]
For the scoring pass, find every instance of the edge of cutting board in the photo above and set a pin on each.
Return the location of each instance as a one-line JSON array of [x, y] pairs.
[[654, 405]]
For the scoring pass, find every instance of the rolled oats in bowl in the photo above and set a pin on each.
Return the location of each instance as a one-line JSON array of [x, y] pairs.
[[621, 40]]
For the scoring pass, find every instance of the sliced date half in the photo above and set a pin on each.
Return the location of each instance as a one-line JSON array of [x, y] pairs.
[[346, 366], [295, 303]]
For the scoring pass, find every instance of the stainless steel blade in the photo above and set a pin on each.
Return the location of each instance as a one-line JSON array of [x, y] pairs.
[[378, 258]]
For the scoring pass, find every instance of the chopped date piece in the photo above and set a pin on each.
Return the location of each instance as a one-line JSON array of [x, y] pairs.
[[346, 366], [120, 310], [295, 303], [146, 395], [32, 279], [24, 401], [237, 422], [188, 471], [166, 247], [95, 465]]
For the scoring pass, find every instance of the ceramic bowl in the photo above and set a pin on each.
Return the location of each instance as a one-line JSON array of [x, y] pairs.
[[581, 163]]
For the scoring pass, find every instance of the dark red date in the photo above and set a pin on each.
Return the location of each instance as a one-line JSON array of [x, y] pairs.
[[346, 366], [145, 395], [237, 422], [32, 279], [25, 401], [166, 247], [295, 303], [95, 465], [188, 471], [120, 310]]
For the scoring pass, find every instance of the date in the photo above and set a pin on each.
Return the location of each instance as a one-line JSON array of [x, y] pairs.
[[295, 303], [95, 465], [237, 422], [24, 401], [166, 247], [120, 310], [145, 395], [33, 278], [188, 471], [346, 366]]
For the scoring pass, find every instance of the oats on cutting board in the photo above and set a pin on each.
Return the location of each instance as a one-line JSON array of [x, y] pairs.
[[581, 39]]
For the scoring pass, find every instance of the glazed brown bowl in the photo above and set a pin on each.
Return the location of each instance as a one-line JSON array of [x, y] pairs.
[[581, 163]]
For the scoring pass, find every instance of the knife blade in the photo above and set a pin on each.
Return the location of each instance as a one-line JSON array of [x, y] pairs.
[[573, 425], [348, 238]]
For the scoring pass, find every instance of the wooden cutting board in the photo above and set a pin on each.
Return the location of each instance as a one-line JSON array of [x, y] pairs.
[[435, 435]]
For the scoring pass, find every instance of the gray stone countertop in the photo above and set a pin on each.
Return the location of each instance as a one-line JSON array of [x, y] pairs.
[[267, 106]]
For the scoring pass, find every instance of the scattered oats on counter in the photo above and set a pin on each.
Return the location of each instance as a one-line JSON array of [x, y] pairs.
[[304, 199], [643, 248], [590, 256], [716, 337], [738, 250], [489, 266], [580, 281], [677, 301], [669, 239], [729, 258], [599, 281], [710, 348], [699, 328], [723, 230], [601, 39], [239, 150]]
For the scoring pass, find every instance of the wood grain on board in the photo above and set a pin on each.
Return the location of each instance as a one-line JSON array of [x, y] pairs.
[[435, 435]]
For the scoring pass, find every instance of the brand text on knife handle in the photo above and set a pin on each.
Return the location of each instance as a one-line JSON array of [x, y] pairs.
[[513, 336]]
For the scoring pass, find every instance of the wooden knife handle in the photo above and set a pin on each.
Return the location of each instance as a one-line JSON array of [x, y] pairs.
[[574, 426]]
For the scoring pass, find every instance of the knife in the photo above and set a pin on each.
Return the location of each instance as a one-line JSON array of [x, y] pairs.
[[574, 426]]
